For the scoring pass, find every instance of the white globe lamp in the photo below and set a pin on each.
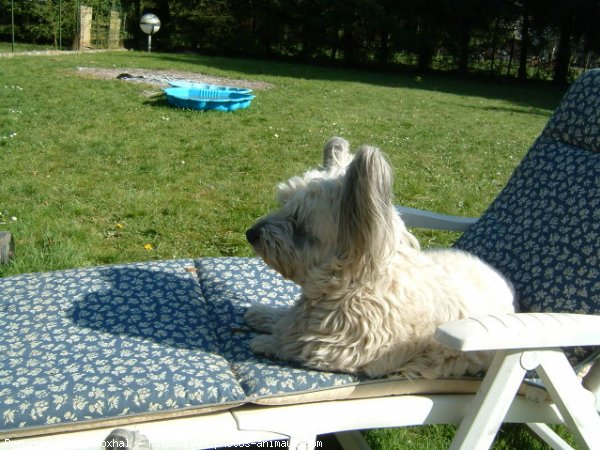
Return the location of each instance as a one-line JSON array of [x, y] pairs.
[[149, 24]]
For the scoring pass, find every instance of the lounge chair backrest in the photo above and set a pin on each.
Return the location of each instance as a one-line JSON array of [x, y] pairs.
[[543, 230]]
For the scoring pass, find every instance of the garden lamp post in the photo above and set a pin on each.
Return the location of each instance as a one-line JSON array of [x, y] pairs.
[[149, 24], [12, 23]]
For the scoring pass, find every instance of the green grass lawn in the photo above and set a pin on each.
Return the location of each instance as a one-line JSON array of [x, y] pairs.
[[103, 171]]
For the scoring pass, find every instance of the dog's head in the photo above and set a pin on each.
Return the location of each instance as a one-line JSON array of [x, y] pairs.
[[339, 216]]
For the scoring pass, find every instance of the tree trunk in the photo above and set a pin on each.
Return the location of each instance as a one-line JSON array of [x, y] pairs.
[[494, 44], [463, 58], [563, 56], [511, 57], [349, 44], [426, 48], [424, 58], [384, 47], [522, 73]]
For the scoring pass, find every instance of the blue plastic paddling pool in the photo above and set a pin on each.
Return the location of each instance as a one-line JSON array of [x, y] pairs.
[[209, 97]]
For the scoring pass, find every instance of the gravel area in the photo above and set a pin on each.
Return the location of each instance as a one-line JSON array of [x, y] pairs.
[[161, 78]]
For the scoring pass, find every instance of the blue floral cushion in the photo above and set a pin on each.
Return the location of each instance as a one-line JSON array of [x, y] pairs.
[[156, 339], [543, 230], [113, 341], [230, 285], [576, 121]]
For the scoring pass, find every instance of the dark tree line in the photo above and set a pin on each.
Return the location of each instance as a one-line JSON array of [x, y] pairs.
[[517, 38], [520, 38]]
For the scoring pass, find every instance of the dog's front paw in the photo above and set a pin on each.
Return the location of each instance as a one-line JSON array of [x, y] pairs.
[[264, 344], [262, 318]]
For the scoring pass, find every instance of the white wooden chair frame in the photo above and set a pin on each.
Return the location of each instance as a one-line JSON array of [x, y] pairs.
[[522, 342]]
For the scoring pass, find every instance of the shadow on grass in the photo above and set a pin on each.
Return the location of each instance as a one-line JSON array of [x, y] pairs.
[[517, 109], [158, 101], [534, 94]]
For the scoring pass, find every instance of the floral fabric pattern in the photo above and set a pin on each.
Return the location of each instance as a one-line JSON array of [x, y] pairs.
[[111, 341], [543, 230], [576, 121], [230, 286], [122, 340]]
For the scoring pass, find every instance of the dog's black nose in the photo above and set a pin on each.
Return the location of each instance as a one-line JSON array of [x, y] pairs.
[[253, 234]]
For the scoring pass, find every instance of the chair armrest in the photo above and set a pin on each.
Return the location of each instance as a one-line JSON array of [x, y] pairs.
[[520, 331], [419, 218]]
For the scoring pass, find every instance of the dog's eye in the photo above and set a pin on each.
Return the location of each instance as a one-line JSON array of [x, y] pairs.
[[295, 219], [298, 231], [301, 236]]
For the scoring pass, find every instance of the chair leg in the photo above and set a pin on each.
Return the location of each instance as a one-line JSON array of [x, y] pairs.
[[498, 389], [479, 427], [546, 434], [575, 403], [352, 440]]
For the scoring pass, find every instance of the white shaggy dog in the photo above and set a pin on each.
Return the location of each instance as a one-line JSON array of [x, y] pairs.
[[371, 299]]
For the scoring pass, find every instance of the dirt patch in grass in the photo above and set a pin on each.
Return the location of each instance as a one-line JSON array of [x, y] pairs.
[[161, 78]]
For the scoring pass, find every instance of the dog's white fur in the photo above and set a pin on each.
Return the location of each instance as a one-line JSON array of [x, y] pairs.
[[371, 299]]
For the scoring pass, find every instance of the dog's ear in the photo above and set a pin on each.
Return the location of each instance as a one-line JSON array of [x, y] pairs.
[[336, 153], [365, 228]]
